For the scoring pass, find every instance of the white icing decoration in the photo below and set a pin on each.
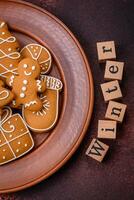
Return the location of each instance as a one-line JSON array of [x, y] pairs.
[[25, 66], [25, 145], [5, 96], [11, 80], [11, 65], [13, 71], [33, 68], [9, 49], [19, 142], [3, 33], [2, 24], [39, 85], [4, 157], [0, 141], [17, 150], [25, 82], [9, 122], [13, 55], [4, 150], [24, 88], [22, 95], [30, 103], [27, 74], [10, 39], [16, 119], [10, 136]]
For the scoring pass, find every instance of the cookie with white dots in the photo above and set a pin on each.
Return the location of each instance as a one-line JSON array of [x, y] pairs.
[[26, 85], [39, 53], [9, 52], [15, 138]]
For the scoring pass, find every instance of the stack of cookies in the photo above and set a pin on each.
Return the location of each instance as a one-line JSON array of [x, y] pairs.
[[24, 86]]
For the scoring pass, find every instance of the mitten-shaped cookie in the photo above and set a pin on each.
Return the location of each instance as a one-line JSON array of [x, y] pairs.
[[6, 96], [9, 52], [25, 85]]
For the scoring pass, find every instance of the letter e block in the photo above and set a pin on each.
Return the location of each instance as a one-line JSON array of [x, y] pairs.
[[115, 111], [107, 129], [106, 50], [113, 70], [111, 90], [97, 150]]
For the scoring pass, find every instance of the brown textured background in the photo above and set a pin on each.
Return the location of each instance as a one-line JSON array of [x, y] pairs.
[[83, 178]]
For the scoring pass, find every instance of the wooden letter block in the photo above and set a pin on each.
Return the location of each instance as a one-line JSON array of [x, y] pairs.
[[106, 50], [115, 111], [97, 150], [114, 70], [111, 90], [107, 129]]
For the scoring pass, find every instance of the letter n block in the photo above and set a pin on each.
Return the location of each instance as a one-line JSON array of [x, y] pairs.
[[106, 50], [97, 150], [114, 70], [111, 90], [115, 111]]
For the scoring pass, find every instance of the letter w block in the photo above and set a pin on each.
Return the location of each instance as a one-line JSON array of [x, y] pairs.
[[97, 150]]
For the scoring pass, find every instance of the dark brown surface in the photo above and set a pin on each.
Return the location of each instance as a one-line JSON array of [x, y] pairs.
[[83, 178]]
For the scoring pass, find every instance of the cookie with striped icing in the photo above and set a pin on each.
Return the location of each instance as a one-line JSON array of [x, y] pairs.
[[9, 52], [45, 119]]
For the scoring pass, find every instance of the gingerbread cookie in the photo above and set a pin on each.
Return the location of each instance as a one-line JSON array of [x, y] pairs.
[[9, 52], [15, 138], [25, 85], [39, 53], [6, 96], [46, 118]]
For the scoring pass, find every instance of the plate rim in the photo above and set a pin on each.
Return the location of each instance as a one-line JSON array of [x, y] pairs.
[[90, 104]]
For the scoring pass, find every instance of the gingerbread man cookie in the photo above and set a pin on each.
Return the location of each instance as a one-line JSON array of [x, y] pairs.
[[45, 119], [9, 52], [39, 53], [6, 96], [25, 85]]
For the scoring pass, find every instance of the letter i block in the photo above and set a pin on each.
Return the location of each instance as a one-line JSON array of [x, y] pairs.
[[111, 90], [107, 129], [97, 150], [113, 70], [106, 50], [115, 111]]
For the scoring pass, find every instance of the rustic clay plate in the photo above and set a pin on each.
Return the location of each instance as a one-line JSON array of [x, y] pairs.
[[32, 24]]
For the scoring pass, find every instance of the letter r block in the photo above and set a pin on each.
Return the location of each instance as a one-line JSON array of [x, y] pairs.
[[106, 50], [115, 111], [113, 70], [97, 150]]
